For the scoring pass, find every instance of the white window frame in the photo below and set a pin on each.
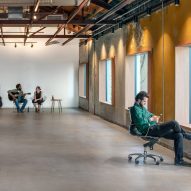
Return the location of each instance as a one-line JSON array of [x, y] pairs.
[[130, 78], [103, 81], [83, 80]]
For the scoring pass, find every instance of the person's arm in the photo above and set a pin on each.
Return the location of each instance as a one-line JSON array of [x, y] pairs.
[[153, 117]]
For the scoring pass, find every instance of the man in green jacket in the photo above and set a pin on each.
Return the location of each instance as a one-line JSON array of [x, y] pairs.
[[147, 124]]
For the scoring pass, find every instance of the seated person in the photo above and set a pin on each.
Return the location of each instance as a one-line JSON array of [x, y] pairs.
[[17, 96], [147, 124], [38, 99]]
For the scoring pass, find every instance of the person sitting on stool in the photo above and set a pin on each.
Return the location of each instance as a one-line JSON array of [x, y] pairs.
[[147, 124], [17, 96], [38, 99]]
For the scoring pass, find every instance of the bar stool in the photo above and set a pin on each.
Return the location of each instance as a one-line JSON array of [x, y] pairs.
[[53, 104]]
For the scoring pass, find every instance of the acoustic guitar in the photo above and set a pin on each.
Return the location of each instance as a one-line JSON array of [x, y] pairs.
[[11, 98]]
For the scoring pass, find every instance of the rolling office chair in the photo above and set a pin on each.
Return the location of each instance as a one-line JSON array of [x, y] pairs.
[[149, 144]]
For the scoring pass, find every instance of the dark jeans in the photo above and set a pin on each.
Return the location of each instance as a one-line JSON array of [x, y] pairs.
[[20, 99], [170, 130]]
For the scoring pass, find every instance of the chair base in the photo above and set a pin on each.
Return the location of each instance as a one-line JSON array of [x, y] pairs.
[[157, 158]]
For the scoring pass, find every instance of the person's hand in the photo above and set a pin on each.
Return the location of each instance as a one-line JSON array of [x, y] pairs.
[[155, 118], [14, 98]]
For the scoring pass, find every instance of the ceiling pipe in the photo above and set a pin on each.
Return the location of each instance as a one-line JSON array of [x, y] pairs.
[[127, 19], [105, 16]]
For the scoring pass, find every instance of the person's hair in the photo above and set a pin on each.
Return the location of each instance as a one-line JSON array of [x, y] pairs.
[[141, 95], [18, 85], [38, 87]]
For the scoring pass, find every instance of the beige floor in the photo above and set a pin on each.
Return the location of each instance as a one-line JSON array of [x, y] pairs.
[[76, 151]]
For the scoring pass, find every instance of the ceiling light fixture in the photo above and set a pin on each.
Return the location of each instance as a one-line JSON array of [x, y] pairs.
[[120, 25], [34, 17], [113, 30], [32, 45], [135, 19], [176, 3], [15, 45], [148, 12]]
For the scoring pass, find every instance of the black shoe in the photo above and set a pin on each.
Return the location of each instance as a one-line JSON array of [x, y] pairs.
[[182, 163], [187, 136]]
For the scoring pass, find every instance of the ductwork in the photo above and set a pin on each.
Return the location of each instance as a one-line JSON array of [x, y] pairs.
[[42, 2]]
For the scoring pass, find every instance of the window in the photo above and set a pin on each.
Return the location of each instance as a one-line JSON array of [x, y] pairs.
[[136, 76], [141, 73], [106, 81], [83, 80], [183, 86]]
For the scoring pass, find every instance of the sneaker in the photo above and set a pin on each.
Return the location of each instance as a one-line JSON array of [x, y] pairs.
[[182, 163]]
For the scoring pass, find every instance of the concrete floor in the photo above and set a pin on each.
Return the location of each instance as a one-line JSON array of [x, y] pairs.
[[76, 151]]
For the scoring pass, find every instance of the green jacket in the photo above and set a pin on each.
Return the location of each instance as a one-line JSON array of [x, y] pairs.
[[141, 118]]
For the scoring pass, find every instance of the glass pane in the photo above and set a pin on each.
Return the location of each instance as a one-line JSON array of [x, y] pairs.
[[85, 80], [141, 73], [190, 85], [108, 81]]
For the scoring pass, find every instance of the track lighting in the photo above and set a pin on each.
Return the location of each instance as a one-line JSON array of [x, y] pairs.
[[135, 19], [113, 30], [148, 12], [34, 17], [32, 45], [15, 45], [120, 25], [176, 3]]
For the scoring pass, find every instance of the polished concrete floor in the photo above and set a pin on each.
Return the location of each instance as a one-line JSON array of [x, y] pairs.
[[76, 151]]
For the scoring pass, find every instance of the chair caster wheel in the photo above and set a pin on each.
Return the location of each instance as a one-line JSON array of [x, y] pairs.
[[157, 163], [129, 158], [136, 162], [161, 159]]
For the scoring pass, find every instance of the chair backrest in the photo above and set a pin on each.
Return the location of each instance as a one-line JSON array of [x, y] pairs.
[[132, 128]]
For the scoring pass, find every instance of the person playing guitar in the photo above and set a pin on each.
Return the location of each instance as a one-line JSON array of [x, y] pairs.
[[17, 96]]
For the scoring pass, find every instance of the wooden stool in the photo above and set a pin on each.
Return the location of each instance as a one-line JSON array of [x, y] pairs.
[[59, 104]]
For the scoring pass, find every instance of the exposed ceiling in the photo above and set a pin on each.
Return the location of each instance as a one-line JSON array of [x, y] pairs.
[[69, 18]]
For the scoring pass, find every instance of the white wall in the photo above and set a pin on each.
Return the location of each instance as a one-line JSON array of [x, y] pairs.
[[54, 68]]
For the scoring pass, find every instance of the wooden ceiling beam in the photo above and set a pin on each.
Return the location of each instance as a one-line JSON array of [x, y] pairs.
[[45, 36], [30, 35], [35, 9], [72, 15]]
